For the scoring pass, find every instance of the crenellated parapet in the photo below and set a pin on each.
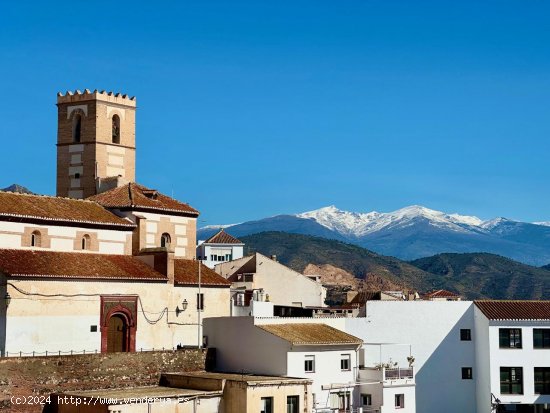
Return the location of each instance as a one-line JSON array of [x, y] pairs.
[[111, 97]]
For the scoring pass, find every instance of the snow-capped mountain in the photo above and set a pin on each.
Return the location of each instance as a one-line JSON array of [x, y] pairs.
[[361, 224], [411, 232]]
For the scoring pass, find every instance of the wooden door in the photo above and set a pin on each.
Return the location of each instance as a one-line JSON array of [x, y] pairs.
[[117, 337]]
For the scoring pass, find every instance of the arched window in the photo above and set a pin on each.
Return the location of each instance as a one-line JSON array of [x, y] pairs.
[[165, 240], [86, 242], [36, 239], [77, 127], [116, 129]]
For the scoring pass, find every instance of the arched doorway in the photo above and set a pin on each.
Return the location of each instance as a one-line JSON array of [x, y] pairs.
[[117, 334]]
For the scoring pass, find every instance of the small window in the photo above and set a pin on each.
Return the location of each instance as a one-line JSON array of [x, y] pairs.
[[465, 334], [266, 405], [509, 337], [165, 240], [116, 129], [77, 176], [541, 338], [93, 329], [85, 242], [542, 380], [366, 399], [466, 373], [36, 239], [200, 301], [77, 128], [309, 364], [511, 380], [292, 404], [399, 401], [345, 362]]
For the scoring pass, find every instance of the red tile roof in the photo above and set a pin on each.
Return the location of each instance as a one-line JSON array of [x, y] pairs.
[[514, 309], [138, 197], [75, 265], [187, 272], [441, 294], [25, 207], [222, 237]]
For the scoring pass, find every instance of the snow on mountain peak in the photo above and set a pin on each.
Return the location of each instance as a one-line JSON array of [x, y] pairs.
[[360, 224]]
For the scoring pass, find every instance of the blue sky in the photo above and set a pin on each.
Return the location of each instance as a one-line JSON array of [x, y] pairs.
[[249, 109]]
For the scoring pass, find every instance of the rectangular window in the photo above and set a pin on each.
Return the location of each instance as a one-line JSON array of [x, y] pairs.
[[200, 301], [509, 337], [542, 380], [266, 405], [511, 380], [465, 334], [212, 258], [345, 362], [399, 401], [309, 364], [466, 373], [292, 404], [366, 399], [541, 338]]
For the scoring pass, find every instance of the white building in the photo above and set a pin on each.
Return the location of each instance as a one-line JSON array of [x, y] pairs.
[[512, 343], [220, 247], [316, 351], [259, 278]]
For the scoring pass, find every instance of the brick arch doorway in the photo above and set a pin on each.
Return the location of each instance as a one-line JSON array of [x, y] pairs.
[[118, 324]]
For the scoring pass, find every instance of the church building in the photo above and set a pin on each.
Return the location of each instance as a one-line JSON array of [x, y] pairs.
[[108, 264]]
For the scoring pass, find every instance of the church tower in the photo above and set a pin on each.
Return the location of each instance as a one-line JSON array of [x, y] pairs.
[[96, 142]]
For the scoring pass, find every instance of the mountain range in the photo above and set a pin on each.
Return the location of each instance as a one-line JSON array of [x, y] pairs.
[[410, 233], [473, 275]]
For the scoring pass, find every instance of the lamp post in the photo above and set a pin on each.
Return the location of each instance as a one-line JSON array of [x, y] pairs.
[[7, 299]]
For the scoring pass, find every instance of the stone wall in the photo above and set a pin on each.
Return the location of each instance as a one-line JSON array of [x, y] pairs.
[[39, 376]]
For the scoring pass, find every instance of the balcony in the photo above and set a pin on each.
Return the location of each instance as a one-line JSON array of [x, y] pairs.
[[398, 373]]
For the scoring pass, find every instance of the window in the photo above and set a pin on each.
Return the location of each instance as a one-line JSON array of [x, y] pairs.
[[77, 176], [511, 380], [542, 380], [86, 242], [510, 337], [466, 373], [36, 239], [541, 338], [465, 334], [93, 329], [116, 129], [399, 401], [340, 401], [266, 405], [345, 362], [292, 404], [309, 364], [366, 399], [200, 301], [165, 240], [77, 127]]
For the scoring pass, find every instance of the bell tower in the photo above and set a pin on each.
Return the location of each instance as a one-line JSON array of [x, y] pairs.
[[96, 142]]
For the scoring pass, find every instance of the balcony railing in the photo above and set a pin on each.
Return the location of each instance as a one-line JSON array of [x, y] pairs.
[[398, 373]]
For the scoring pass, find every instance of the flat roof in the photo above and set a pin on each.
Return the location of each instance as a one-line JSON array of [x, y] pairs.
[[140, 393], [249, 378]]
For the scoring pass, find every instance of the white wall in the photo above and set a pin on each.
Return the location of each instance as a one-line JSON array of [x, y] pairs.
[[206, 250], [433, 330]]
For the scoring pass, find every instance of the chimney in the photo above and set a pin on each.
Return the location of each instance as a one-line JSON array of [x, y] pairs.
[[274, 258], [161, 259]]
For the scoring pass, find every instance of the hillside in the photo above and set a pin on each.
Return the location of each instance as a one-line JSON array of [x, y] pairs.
[[487, 275], [298, 251], [474, 275]]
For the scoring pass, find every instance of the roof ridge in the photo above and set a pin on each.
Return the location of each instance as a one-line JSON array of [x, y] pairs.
[[50, 196]]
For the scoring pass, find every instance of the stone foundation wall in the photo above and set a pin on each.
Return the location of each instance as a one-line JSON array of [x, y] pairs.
[[24, 377]]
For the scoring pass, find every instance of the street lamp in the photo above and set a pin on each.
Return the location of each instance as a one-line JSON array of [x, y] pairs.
[[183, 307], [7, 299]]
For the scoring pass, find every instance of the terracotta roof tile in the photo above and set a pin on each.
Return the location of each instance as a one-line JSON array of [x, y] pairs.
[[310, 334], [57, 209], [74, 265], [222, 237], [138, 197], [514, 309], [187, 272], [441, 294]]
